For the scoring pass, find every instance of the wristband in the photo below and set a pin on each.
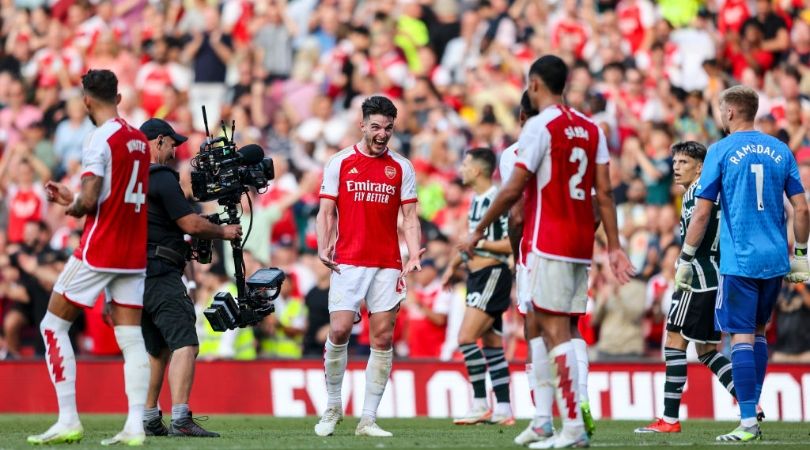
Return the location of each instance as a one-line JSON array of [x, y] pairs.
[[800, 249], [688, 252]]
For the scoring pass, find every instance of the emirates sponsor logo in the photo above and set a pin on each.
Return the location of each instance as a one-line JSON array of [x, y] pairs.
[[369, 191], [390, 172]]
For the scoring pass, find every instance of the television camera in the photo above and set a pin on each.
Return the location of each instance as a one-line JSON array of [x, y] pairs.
[[224, 173]]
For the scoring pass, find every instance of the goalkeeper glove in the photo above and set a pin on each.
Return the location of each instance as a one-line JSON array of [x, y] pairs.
[[684, 272], [799, 267]]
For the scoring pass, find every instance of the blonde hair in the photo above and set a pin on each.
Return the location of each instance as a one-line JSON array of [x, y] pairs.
[[744, 99]]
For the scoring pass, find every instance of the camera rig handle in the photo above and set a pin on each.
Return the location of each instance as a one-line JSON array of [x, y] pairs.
[[238, 258]]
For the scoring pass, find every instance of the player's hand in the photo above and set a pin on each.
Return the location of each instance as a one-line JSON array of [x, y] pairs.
[[414, 263], [469, 244], [326, 258], [447, 278], [621, 266], [683, 276], [799, 269], [58, 193], [232, 232]]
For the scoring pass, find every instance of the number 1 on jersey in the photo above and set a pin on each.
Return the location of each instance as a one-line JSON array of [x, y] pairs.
[[759, 178], [137, 198]]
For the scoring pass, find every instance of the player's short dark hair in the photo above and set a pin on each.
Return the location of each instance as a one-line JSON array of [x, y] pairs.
[[553, 71], [377, 104], [101, 84], [744, 99], [692, 149], [484, 156], [526, 105]]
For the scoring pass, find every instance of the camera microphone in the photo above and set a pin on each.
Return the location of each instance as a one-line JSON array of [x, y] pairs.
[[250, 154]]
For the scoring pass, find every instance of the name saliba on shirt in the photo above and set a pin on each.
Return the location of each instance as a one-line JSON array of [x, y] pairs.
[[369, 191]]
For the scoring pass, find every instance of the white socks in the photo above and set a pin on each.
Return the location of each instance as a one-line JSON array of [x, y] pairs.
[[61, 365], [377, 372], [543, 382], [334, 363], [136, 373], [564, 370], [581, 352]]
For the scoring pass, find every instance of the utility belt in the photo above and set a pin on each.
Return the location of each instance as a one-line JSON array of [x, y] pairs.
[[167, 254]]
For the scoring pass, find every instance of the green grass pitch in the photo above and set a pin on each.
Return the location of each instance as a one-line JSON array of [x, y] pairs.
[[264, 432]]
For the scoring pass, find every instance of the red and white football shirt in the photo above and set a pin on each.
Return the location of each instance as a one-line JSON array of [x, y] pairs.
[[114, 237], [25, 204], [369, 192], [561, 147], [506, 166], [425, 338]]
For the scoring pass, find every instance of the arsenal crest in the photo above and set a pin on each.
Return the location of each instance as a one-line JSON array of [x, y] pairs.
[[390, 172]]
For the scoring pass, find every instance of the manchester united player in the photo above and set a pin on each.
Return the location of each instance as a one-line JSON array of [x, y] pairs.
[[111, 254], [691, 316], [562, 155], [365, 185], [489, 285]]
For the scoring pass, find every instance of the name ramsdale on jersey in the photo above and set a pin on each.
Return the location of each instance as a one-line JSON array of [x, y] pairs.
[[369, 191], [760, 149]]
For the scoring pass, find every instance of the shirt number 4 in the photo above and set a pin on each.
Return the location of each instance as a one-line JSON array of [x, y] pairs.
[[134, 193]]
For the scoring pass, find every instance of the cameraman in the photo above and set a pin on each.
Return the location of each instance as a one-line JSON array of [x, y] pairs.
[[169, 317]]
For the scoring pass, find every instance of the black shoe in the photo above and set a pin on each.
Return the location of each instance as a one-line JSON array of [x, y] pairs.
[[188, 426], [155, 427]]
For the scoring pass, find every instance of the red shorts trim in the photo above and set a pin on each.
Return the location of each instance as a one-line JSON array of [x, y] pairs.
[[556, 313], [74, 303], [126, 305]]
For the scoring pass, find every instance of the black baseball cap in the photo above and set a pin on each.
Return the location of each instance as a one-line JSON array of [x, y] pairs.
[[153, 128]]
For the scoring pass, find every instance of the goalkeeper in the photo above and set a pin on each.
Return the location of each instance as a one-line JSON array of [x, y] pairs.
[[748, 172]]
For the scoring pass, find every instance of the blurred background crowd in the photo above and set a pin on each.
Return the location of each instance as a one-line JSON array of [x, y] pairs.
[[291, 74]]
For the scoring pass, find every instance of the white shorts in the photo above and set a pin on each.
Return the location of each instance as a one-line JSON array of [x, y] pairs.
[[81, 285], [558, 287], [523, 288], [378, 286]]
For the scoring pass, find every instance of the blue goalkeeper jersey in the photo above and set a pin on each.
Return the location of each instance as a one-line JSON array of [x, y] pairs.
[[750, 171]]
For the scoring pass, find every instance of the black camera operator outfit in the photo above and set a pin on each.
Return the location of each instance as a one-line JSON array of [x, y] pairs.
[[170, 317], [168, 320]]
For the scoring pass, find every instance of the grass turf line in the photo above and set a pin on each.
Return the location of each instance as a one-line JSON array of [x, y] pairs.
[[262, 432]]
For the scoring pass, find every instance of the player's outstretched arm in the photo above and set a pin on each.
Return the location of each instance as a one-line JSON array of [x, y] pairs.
[[87, 199], [510, 193], [799, 267], [413, 235], [620, 264], [325, 227]]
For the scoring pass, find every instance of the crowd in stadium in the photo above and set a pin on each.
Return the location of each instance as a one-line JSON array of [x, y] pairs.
[[291, 75]]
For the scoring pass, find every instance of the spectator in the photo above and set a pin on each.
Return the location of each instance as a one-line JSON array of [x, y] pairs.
[[16, 116], [316, 302], [71, 133], [792, 333], [273, 42], [428, 306], [209, 52]]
